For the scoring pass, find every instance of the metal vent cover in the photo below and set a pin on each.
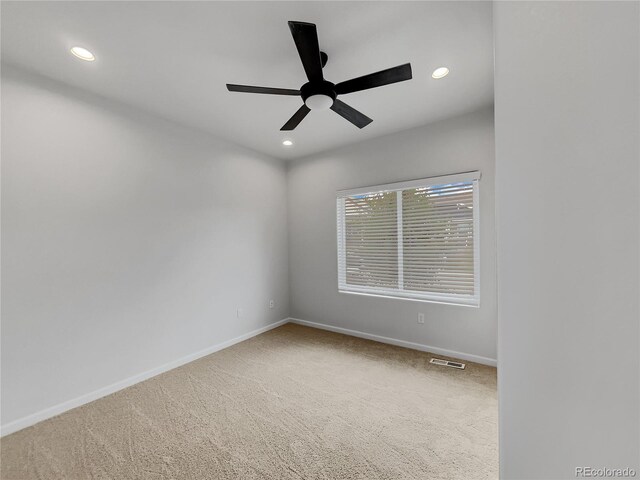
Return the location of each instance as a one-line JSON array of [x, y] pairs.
[[447, 363]]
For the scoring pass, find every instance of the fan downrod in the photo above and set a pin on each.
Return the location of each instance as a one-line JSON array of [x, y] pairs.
[[323, 58]]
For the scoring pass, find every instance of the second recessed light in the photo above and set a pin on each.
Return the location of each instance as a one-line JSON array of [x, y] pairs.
[[440, 72], [287, 143], [83, 54]]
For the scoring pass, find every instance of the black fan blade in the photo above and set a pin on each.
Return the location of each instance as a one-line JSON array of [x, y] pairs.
[[267, 90], [296, 119], [360, 120], [378, 79], [306, 37]]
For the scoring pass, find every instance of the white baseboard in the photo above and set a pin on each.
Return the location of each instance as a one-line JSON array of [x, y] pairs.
[[492, 362], [34, 418]]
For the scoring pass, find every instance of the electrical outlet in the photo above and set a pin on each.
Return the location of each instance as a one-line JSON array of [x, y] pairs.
[[239, 312], [272, 303], [421, 318]]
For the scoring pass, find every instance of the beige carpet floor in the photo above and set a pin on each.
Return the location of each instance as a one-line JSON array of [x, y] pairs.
[[293, 403]]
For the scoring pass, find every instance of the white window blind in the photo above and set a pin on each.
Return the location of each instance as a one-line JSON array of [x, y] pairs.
[[414, 239]]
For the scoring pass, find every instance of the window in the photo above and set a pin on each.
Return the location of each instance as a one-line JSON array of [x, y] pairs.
[[416, 240]]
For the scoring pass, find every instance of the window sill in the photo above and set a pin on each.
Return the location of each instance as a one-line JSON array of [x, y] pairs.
[[473, 303]]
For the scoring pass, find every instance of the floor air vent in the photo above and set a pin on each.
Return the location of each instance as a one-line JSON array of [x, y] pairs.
[[447, 363]]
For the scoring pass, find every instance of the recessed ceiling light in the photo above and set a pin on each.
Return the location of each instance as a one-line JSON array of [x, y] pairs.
[[83, 54], [440, 72], [287, 143]]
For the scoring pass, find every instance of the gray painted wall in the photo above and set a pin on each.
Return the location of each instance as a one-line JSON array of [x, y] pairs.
[[567, 166], [457, 145], [127, 242]]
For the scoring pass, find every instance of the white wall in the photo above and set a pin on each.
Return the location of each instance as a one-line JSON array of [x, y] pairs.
[[567, 189], [127, 242], [457, 145]]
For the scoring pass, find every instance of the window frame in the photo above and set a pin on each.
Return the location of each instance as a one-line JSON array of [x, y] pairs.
[[431, 297]]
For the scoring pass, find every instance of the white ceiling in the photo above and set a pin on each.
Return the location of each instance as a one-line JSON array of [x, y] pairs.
[[174, 59]]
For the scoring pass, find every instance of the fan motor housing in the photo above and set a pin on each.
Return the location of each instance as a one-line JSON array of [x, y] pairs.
[[318, 88]]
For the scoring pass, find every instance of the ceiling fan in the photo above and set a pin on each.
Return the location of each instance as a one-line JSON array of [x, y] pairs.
[[321, 94]]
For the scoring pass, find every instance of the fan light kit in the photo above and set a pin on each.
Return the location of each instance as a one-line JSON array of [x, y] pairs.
[[321, 94], [319, 102], [440, 72], [83, 54]]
